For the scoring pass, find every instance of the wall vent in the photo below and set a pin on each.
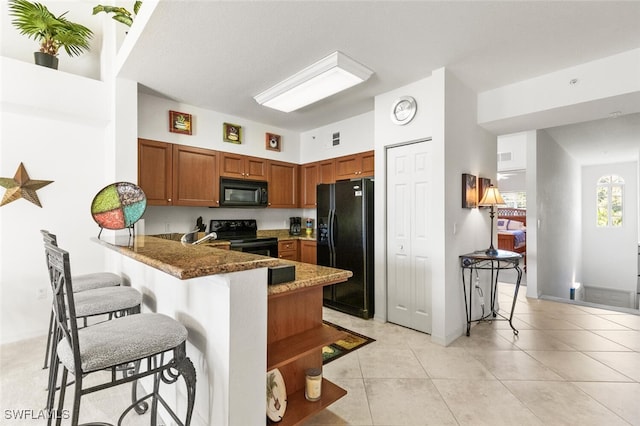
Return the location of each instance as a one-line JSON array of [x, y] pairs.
[[504, 156], [336, 138]]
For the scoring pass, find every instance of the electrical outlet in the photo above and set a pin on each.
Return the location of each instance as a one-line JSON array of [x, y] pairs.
[[41, 293], [167, 227]]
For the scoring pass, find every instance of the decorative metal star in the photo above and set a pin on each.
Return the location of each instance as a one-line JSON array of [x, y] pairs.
[[21, 186]]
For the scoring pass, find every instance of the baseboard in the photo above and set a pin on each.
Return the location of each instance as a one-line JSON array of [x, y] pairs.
[[610, 296], [590, 304]]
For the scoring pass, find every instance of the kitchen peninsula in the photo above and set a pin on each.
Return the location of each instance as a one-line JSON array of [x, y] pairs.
[[239, 326]]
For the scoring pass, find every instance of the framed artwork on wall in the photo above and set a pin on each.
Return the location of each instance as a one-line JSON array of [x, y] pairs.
[[469, 191], [273, 142], [483, 184], [231, 133], [180, 122]]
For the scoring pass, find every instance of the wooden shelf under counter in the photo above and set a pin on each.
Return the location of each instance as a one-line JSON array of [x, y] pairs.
[[298, 345], [295, 337], [299, 409]]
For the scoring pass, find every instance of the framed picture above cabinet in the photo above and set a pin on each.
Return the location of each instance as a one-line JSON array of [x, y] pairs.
[[273, 142], [180, 122], [232, 133]]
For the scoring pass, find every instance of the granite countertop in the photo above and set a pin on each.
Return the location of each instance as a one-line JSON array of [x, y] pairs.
[[186, 261], [308, 275], [192, 261], [283, 234]]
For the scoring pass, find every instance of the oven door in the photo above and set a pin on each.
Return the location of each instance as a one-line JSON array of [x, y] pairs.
[[263, 247]]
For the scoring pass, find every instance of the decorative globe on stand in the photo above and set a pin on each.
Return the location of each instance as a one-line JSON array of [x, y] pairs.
[[118, 206]]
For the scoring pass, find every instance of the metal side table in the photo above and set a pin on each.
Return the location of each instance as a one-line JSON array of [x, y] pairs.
[[480, 260]]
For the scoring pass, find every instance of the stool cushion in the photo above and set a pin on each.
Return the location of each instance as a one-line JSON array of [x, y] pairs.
[[123, 340], [104, 300], [95, 280]]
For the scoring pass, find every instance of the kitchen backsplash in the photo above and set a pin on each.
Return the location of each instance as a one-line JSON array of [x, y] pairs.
[[161, 219]]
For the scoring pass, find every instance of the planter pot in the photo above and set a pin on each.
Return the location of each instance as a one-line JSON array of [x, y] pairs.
[[46, 60]]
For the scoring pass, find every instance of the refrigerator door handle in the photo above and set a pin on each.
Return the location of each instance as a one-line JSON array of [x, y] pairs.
[[332, 246]]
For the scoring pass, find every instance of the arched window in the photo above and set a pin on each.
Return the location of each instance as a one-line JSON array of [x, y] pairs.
[[609, 201]]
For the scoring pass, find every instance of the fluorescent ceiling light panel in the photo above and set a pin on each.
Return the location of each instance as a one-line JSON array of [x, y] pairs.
[[326, 77]]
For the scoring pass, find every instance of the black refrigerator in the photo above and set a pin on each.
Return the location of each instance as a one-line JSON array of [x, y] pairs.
[[345, 241]]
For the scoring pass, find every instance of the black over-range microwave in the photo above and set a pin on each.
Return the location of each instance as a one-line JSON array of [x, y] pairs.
[[243, 193]]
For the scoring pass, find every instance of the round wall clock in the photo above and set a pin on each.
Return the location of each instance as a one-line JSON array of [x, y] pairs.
[[403, 110]]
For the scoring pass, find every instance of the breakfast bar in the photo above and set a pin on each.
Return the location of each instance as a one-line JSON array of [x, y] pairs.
[[239, 326]]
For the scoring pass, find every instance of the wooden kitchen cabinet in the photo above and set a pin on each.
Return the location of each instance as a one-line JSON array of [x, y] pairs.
[[155, 171], [283, 184], [288, 249], [354, 166], [243, 167], [195, 177], [308, 251], [178, 175], [308, 182], [311, 175], [327, 171]]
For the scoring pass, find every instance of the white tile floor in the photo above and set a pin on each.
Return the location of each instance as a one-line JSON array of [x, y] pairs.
[[570, 365]]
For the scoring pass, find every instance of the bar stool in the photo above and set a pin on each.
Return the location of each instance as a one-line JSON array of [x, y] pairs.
[[154, 342], [99, 293]]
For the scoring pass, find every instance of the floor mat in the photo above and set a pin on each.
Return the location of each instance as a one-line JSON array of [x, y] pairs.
[[342, 347]]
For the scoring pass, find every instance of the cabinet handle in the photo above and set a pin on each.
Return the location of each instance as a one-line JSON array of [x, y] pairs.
[[169, 200]]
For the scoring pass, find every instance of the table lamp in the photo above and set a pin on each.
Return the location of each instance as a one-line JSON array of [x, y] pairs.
[[491, 198]]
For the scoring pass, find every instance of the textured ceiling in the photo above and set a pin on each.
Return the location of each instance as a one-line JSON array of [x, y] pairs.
[[218, 55]]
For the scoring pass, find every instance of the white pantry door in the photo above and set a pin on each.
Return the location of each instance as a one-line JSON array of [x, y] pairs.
[[409, 227]]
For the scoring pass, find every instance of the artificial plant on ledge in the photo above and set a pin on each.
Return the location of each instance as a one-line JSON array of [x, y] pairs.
[[52, 32], [120, 14]]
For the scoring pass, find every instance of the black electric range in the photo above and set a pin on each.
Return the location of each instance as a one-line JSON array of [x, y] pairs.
[[242, 234]]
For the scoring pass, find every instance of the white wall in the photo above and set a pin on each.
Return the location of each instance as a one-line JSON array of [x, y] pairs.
[[153, 123], [356, 135], [468, 149], [387, 135], [515, 145], [19, 47], [532, 213], [610, 254], [549, 100], [446, 114], [558, 198], [52, 123]]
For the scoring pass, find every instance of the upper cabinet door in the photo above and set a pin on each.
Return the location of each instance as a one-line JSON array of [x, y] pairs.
[[256, 168], [308, 182], [368, 164], [231, 165], [155, 171], [327, 171], [242, 167], [283, 184], [195, 177], [355, 166]]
